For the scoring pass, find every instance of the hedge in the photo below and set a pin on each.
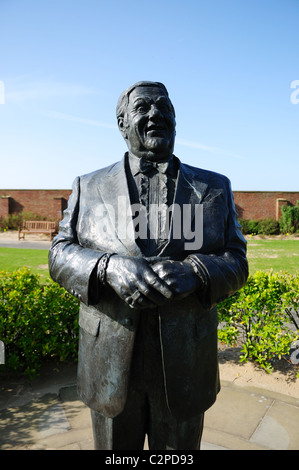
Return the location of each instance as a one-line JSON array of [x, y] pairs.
[[16, 220], [287, 223], [37, 322], [262, 317], [260, 227], [289, 220], [40, 322]]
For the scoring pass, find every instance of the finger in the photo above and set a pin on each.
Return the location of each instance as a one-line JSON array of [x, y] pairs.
[[157, 269], [158, 284], [139, 301], [146, 291]]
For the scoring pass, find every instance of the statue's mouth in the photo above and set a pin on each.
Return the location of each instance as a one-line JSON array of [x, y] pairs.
[[155, 130]]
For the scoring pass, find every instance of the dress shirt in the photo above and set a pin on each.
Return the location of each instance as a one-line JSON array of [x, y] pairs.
[[153, 191]]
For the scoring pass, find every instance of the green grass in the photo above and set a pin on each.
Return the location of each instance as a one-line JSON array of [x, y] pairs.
[[12, 259], [279, 255]]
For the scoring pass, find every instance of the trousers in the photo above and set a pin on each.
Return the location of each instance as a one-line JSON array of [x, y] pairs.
[[146, 411]]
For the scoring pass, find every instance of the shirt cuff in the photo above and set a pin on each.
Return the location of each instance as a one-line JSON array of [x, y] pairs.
[[200, 271]]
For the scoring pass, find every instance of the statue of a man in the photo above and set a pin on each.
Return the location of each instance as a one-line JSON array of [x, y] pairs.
[[150, 246]]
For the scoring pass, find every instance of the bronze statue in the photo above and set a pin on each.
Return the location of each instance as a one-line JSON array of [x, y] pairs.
[[150, 246]]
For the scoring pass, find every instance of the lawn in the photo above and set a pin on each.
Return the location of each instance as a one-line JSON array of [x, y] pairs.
[[279, 255], [263, 255], [12, 259]]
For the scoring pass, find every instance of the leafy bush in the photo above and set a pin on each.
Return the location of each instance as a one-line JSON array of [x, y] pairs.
[[250, 226], [37, 321], [14, 221], [244, 226], [11, 222], [260, 317], [266, 226], [289, 220]]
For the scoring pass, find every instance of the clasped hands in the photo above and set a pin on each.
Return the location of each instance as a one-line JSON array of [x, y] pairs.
[[142, 285]]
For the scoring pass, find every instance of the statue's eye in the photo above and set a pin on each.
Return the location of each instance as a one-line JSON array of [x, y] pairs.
[[141, 109]]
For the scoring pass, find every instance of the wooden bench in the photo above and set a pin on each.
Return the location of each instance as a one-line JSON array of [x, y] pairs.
[[37, 226]]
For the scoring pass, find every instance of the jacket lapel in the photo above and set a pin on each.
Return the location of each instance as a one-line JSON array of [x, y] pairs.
[[115, 195], [189, 193]]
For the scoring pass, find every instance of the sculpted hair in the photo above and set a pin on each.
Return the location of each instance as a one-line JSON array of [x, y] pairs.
[[124, 97]]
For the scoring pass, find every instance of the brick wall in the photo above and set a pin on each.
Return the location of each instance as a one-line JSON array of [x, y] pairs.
[[262, 204], [50, 203], [43, 202]]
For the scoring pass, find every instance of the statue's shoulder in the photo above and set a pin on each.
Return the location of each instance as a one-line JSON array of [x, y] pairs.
[[100, 174], [212, 178]]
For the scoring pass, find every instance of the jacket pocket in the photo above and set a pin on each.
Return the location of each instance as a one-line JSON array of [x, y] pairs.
[[89, 321]]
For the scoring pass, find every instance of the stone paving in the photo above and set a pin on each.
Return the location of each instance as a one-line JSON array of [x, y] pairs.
[[50, 416]]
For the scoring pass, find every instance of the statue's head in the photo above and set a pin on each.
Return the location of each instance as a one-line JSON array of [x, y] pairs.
[[146, 119]]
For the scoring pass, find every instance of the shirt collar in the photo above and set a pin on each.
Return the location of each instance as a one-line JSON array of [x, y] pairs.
[[135, 168]]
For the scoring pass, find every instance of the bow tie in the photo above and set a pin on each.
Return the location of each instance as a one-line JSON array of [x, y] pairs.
[[147, 166]]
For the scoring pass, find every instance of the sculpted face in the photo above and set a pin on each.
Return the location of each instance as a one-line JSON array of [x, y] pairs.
[[149, 123]]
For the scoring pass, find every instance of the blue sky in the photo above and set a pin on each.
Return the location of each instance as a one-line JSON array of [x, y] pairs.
[[228, 66]]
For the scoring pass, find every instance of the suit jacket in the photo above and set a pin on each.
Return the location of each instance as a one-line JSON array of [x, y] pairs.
[[188, 327]]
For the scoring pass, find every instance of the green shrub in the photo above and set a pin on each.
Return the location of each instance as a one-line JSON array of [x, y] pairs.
[[37, 322], [260, 316], [268, 227], [249, 227], [14, 221], [254, 226], [11, 222], [244, 226], [289, 220]]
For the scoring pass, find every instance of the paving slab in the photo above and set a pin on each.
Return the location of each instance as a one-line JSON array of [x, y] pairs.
[[46, 413], [237, 412], [248, 418], [279, 430], [53, 421], [20, 426], [242, 419]]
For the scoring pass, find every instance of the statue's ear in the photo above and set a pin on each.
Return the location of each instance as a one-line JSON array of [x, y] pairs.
[[122, 127]]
